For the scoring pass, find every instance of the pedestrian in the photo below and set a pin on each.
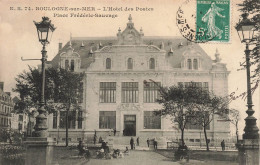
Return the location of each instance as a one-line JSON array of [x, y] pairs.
[[132, 143], [100, 140], [114, 132], [137, 141], [103, 145], [223, 145], [148, 141], [155, 144], [95, 139]]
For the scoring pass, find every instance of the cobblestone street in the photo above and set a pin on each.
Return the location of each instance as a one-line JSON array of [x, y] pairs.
[[149, 158]]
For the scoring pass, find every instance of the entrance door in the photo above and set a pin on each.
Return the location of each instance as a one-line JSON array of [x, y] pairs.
[[129, 125]]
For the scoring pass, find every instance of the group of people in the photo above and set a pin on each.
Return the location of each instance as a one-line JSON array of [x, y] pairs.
[[132, 143], [154, 143]]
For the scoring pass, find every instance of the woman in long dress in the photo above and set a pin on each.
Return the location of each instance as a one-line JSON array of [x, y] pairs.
[[210, 18]]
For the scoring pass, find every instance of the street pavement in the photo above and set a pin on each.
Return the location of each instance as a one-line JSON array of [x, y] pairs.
[[148, 158]]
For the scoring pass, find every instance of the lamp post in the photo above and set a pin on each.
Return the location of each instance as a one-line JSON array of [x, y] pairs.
[[40, 147], [249, 146], [43, 29], [246, 29]]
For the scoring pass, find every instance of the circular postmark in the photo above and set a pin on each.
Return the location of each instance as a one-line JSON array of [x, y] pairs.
[[198, 21], [186, 20]]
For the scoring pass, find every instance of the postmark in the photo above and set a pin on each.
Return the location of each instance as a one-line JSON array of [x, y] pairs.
[[204, 20]]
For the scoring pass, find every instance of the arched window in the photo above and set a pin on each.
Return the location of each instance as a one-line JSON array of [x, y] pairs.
[[189, 64], [151, 63], [66, 64], [130, 63], [195, 64], [72, 65], [108, 63]]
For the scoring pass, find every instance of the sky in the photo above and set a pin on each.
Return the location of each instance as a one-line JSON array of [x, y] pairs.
[[18, 36]]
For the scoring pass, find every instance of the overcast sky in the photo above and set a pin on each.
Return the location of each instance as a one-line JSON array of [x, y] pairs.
[[18, 37]]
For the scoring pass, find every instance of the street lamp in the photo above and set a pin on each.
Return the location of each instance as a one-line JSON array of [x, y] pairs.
[[246, 29], [43, 29]]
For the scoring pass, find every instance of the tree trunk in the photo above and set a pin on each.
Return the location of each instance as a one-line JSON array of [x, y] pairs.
[[206, 138], [182, 137], [29, 129], [67, 127], [67, 123]]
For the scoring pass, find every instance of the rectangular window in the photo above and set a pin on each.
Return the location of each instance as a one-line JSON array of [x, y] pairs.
[[20, 117], [72, 120], [151, 121], [54, 124], [80, 94], [80, 119], [107, 119], [202, 85], [62, 119], [107, 92], [205, 86], [151, 91], [130, 92]]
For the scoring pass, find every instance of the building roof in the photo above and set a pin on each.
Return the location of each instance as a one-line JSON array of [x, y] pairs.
[[84, 45], [178, 46]]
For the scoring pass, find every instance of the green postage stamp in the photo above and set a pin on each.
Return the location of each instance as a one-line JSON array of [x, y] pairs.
[[204, 20], [213, 20]]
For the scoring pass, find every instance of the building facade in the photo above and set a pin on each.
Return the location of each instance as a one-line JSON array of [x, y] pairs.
[[6, 107], [122, 78]]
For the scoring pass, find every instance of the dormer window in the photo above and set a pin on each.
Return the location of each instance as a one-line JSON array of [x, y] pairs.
[[130, 63], [189, 64], [151, 63], [195, 64], [66, 64], [72, 66], [108, 63]]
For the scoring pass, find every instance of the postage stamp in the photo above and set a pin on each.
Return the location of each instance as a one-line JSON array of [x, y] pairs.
[[213, 20], [204, 20]]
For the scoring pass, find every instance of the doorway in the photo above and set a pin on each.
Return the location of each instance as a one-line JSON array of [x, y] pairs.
[[129, 125]]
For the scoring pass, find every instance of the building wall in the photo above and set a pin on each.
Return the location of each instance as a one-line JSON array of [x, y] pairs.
[[6, 106], [217, 82], [171, 67]]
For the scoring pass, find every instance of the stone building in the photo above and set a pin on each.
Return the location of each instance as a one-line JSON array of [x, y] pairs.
[[122, 75], [6, 107]]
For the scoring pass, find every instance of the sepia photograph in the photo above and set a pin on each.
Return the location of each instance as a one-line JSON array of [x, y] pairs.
[[128, 82]]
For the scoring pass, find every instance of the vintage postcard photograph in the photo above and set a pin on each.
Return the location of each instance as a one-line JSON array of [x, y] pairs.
[[128, 82]]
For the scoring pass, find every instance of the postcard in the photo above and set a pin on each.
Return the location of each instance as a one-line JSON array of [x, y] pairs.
[[126, 51]]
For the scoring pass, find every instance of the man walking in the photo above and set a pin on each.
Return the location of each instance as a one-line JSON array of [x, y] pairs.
[[132, 143], [223, 145], [148, 141], [95, 137], [155, 144], [114, 132]]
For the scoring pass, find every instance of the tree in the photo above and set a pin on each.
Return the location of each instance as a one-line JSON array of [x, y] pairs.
[[252, 8], [175, 101], [191, 105], [62, 92], [207, 105], [234, 117]]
